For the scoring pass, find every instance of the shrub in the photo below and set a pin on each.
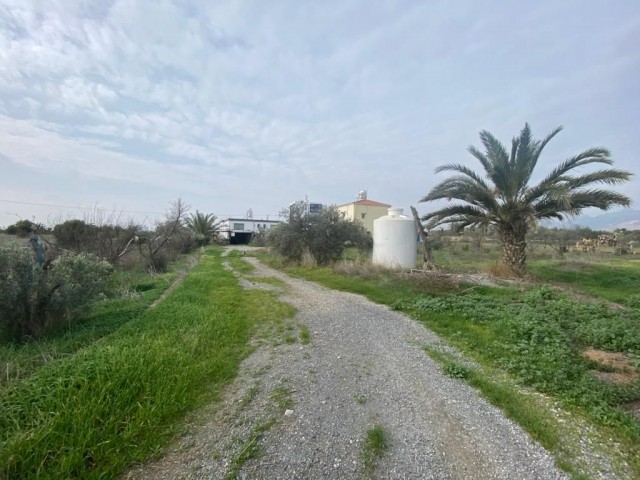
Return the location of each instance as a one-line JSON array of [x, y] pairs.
[[108, 241], [36, 299], [75, 235], [23, 228], [324, 235]]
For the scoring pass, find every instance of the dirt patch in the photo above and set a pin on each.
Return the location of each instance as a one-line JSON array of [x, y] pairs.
[[633, 407], [623, 372]]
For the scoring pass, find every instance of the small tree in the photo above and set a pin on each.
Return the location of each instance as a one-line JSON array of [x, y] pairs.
[[75, 235], [324, 235], [505, 197], [203, 226], [22, 228], [558, 239], [108, 241], [154, 245]]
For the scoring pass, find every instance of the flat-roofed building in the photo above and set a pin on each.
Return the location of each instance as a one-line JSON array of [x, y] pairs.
[[241, 230]]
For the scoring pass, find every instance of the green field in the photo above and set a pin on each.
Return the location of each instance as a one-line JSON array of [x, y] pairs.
[[112, 391]]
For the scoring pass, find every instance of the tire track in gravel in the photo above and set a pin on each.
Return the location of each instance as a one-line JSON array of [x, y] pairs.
[[365, 366]]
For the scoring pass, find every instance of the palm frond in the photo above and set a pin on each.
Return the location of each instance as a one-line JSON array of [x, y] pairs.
[[550, 207], [519, 162], [602, 199], [456, 167], [465, 189], [592, 155], [461, 214], [486, 164], [499, 158], [608, 176], [541, 144]]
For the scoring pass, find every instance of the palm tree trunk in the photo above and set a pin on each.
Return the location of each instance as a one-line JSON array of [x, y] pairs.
[[513, 253]]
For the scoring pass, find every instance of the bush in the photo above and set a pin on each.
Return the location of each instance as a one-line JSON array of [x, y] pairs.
[[23, 228], [36, 299], [169, 239], [323, 235], [108, 242]]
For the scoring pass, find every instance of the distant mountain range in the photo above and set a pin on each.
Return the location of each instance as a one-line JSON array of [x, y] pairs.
[[629, 219]]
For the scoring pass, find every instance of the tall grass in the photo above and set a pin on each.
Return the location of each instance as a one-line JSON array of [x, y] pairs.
[[118, 400], [130, 295]]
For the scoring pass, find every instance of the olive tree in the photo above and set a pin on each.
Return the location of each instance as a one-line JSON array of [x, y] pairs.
[[324, 235]]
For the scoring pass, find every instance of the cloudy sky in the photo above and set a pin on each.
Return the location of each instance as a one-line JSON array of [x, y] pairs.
[[232, 105]]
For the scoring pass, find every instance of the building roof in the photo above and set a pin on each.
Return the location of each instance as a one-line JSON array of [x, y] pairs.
[[368, 203], [257, 220]]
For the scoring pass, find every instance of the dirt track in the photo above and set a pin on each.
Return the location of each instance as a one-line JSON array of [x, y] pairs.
[[303, 410]]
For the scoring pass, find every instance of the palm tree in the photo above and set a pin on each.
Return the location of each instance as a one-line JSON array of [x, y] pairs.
[[204, 226], [503, 197]]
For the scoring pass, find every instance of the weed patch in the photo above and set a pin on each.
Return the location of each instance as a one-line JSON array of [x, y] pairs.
[[374, 446], [305, 335]]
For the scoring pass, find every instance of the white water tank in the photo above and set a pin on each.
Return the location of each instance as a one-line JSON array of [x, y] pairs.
[[395, 240]]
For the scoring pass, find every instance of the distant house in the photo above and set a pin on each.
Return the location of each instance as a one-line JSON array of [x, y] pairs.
[[241, 230], [364, 210]]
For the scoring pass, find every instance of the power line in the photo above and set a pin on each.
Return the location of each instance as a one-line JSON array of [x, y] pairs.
[[76, 207]]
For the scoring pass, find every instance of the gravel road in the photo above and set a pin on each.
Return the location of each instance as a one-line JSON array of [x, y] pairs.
[[303, 410]]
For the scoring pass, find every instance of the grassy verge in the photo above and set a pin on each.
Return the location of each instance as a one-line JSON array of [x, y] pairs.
[[532, 338], [131, 294], [118, 400], [616, 280]]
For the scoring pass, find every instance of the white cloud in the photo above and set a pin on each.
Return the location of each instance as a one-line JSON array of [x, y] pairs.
[[287, 97]]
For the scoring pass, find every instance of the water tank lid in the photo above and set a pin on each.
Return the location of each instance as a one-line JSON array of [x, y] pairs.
[[395, 212]]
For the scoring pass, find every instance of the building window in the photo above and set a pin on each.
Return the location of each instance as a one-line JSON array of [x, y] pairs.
[[363, 215], [238, 226]]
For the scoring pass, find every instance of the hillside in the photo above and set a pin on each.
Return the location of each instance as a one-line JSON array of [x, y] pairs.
[[629, 219]]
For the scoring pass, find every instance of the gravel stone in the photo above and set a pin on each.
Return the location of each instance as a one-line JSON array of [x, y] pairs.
[[365, 366]]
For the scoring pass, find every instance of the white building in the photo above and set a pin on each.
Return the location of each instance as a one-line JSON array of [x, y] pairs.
[[241, 230]]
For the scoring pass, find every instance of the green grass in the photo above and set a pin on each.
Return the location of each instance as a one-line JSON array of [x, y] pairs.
[[276, 282], [130, 295], [615, 279], [6, 240], [360, 399], [374, 445], [119, 400], [234, 258], [534, 418], [305, 335]]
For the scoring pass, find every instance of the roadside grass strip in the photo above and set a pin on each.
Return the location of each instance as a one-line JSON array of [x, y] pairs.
[[131, 293], [119, 400]]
